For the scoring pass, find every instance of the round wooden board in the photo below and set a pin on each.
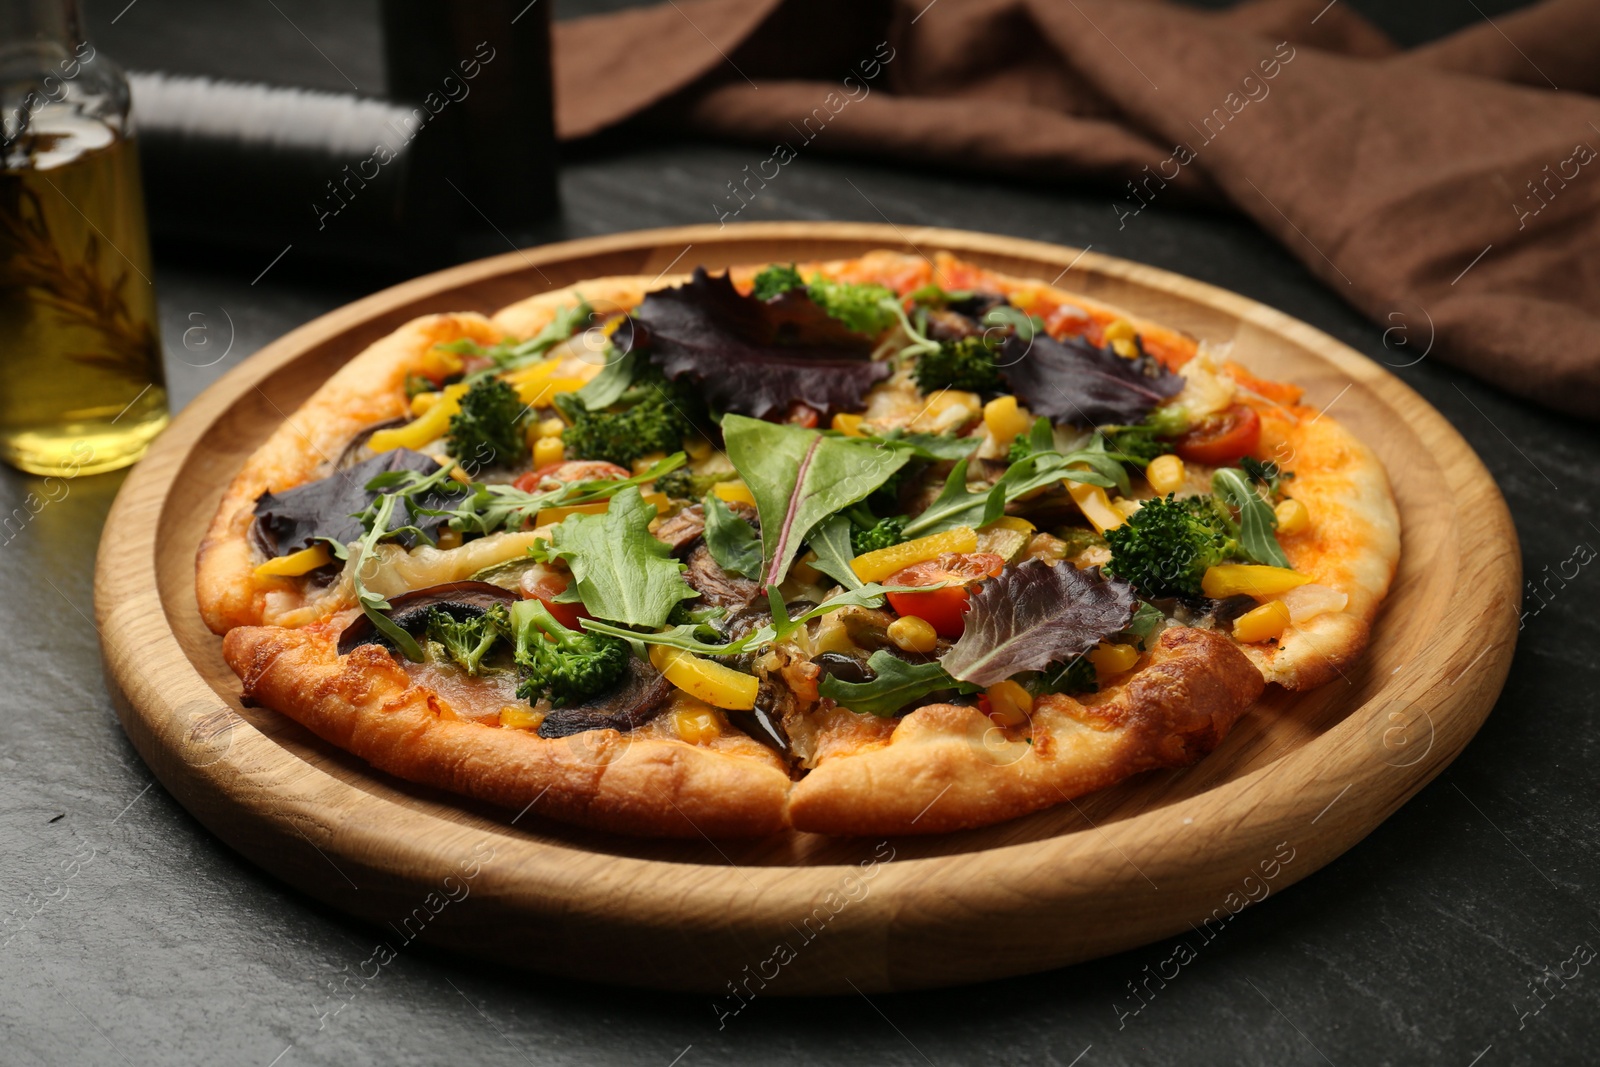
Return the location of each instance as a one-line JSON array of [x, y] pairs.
[[1300, 779]]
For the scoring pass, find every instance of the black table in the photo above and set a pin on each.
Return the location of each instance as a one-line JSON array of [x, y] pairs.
[[129, 935]]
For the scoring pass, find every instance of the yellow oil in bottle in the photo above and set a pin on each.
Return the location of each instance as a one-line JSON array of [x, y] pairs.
[[81, 384]]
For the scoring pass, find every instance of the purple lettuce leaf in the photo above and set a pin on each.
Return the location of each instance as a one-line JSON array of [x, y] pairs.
[[1073, 381], [755, 357], [1034, 615]]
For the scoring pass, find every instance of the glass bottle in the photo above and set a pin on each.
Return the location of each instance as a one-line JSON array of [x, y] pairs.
[[81, 383]]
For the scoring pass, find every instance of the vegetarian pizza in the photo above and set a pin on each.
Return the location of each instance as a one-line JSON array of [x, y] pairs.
[[876, 546]]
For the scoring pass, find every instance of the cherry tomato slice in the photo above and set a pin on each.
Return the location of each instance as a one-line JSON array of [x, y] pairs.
[[572, 470], [544, 583], [802, 415], [943, 608], [1221, 439]]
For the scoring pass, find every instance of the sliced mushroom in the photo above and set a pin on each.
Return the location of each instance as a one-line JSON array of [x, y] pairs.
[[637, 699], [461, 600]]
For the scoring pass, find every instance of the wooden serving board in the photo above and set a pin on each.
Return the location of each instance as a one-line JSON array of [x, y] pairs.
[[1300, 779]]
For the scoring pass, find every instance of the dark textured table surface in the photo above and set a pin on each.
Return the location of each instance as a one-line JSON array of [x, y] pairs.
[[130, 935]]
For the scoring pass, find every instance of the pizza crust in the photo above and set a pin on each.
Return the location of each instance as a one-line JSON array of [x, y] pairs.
[[368, 706], [948, 767]]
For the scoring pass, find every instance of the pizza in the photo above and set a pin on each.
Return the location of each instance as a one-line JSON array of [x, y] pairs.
[[886, 545]]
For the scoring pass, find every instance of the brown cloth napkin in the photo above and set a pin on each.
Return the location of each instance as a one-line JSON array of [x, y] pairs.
[[1452, 190]]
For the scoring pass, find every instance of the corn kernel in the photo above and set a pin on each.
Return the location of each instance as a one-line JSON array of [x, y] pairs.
[[1113, 659], [696, 725], [698, 448], [1165, 474], [552, 427], [1004, 419], [514, 718], [847, 424], [449, 538], [1119, 330], [422, 402], [1125, 349], [1292, 516], [802, 570], [912, 634], [1267, 621], [1009, 703], [548, 450]]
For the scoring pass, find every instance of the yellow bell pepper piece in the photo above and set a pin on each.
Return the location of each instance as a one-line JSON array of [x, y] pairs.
[[1004, 419], [1096, 506], [734, 493], [847, 424], [548, 516], [1263, 623], [876, 566], [539, 394], [296, 563], [719, 686], [1230, 579], [418, 432]]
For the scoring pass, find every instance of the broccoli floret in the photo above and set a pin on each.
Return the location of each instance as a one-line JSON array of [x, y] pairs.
[[568, 666], [488, 430], [857, 305], [1144, 441], [1076, 676], [881, 534], [652, 416], [468, 641], [964, 364], [684, 484], [776, 279], [1165, 548]]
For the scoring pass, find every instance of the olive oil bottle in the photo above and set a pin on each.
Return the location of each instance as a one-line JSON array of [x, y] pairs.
[[81, 386]]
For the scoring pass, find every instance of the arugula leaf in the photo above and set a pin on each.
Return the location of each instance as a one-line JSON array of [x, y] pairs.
[[1073, 381], [1257, 520], [1034, 615], [800, 477], [694, 636], [958, 506], [730, 540], [494, 507], [607, 387], [621, 572], [376, 605], [512, 355], [897, 683], [931, 446], [831, 542]]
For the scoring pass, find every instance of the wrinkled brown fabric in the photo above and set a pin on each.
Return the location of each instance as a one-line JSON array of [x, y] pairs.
[[1454, 188]]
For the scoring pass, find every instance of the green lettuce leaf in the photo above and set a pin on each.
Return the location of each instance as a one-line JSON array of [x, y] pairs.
[[621, 572], [799, 477]]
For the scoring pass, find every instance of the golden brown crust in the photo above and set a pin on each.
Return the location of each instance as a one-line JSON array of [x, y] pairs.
[[948, 767], [367, 705]]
